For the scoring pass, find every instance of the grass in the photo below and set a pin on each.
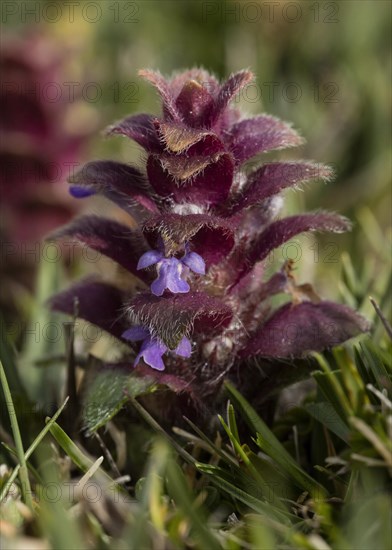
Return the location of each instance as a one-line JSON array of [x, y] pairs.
[[102, 470], [317, 477]]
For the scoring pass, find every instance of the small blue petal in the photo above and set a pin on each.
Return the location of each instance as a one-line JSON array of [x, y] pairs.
[[195, 262], [149, 258], [80, 192], [151, 352], [169, 277], [184, 348], [135, 333]]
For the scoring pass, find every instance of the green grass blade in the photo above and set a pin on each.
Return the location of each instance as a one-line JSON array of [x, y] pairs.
[[60, 528], [271, 445], [223, 455], [179, 491], [324, 412], [9, 365], [31, 449], [231, 421], [223, 480], [77, 456], [23, 473]]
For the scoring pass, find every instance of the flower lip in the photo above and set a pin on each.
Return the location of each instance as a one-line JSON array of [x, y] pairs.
[[172, 271], [152, 349], [151, 352]]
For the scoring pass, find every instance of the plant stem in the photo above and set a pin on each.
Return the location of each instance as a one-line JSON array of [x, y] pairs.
[[24, 478]]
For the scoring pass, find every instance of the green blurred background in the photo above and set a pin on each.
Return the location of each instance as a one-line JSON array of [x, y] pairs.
[[325, 66]]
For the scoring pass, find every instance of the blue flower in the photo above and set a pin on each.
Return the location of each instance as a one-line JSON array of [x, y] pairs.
[[152, 349], [80, 192], [172, 271]]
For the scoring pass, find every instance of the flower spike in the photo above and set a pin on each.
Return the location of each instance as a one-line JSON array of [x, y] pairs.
[[208, 225]]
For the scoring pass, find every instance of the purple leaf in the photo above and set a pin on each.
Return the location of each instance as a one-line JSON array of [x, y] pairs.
[[283, 230], [194, 103], [296, 329], [196, 179], [252, 287], [228, 91], [251, 222], [171, 317], [211, 236], [178, 137], [121, 183], [184, 167], [140, 128], [203, 77], [170, 108], [116, 241], [173, 382], [260, 134], [97, 302], [273, 177]]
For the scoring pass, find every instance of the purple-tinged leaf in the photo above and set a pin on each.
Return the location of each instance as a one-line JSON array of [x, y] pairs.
[[178, 137], [183, 167], [197, 179], [211, 237], [116, 241], [252, 287], [273, 177], [170, 108], [194, 103], [283, 230], [294, 330], [260, 134], [96, 302], [203, 77], [140, 128], [251, 222], [121, 183], [171, 317], [235, 83], [173, 382]]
